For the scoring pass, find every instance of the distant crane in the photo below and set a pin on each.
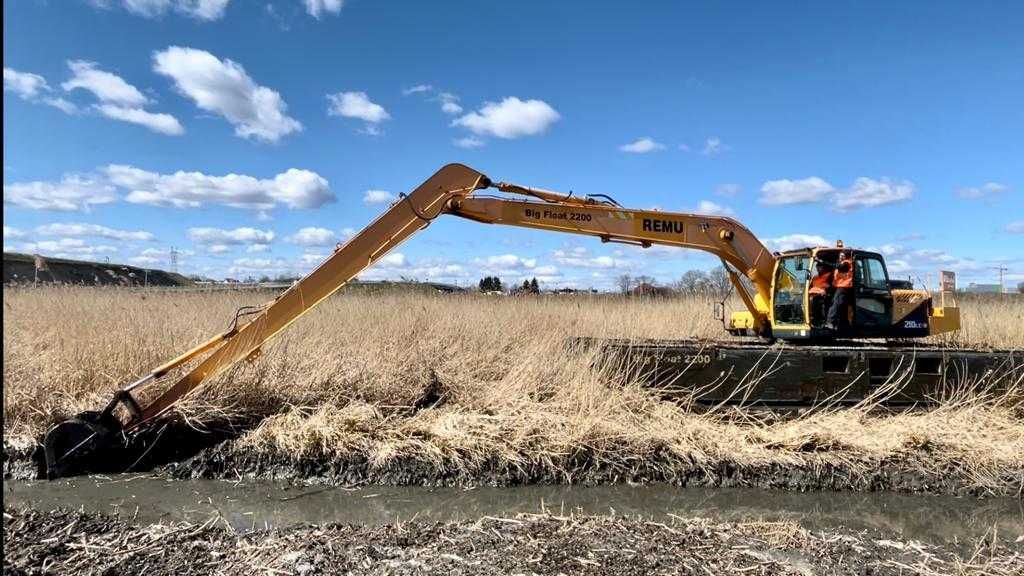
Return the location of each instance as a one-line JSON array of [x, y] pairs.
[[1002, 270]]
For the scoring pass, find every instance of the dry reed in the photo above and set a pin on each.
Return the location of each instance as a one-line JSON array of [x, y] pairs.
[[340, 383]]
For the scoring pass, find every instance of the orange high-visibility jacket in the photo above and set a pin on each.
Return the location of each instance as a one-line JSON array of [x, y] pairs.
[[821, 283], [844, 272]]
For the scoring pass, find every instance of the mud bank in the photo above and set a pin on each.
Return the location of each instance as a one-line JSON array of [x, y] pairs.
[[225, 461], [66, 542]]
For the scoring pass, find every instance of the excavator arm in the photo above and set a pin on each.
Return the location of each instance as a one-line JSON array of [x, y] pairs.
[[449, 191]]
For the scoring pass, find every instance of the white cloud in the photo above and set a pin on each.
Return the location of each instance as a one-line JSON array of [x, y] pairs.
[[313, 236], [642, 146], [449, 103], [119, 100], [986, 190], [356, 105], [294, 188], [67, 248], [863, 193], [243, 266], [869, 193], [254, 248], [218, 248], [469, 142], [511, 118], [713, 146], [317, 7], [393, 259], [244, 235], [199, 9], [25, 84], [378, 197], [417, 89], [794, 241], [1016, 227], [157, 122], [72, 193], [312, 258], [580, 257], [107, 87], [505, 262], [12, 233], [712, 209], [77, 229], [34, 88], [727, 190], [224, 88], [808, 190], [144, 260], [923, 262]]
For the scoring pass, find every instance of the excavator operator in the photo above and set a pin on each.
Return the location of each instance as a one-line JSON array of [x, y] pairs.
[[842, 282], [821, 286]]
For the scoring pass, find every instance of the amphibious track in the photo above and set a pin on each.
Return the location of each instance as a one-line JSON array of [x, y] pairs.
[[752, 372]]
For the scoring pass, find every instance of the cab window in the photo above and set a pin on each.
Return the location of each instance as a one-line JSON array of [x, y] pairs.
[[790, 281], [871, 274]]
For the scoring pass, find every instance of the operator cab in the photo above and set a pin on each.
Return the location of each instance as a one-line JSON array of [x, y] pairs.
[[798, 313]]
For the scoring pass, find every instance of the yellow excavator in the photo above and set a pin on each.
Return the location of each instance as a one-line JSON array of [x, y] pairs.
[[773, 288]]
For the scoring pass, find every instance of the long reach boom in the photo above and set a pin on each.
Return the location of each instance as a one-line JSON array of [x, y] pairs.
[[451, 190]]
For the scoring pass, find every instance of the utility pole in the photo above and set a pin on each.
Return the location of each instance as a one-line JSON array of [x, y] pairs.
[[1002, 270], [174, 260]]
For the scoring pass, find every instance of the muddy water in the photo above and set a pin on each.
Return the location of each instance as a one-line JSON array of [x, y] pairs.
[[249, 505]]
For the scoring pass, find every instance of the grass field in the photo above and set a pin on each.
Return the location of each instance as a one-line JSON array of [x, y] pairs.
[[340, 383]]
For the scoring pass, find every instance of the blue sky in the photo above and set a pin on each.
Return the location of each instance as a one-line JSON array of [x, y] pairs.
[[252, 136]]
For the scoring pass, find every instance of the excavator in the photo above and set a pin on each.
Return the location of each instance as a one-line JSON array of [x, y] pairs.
[[772, 286]]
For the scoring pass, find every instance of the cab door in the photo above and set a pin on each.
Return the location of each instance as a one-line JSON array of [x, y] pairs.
[[789, 297], [872, 300]]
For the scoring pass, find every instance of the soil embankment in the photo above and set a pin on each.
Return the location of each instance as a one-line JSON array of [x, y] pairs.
[[79, 543], [228, 462], [21, 269]]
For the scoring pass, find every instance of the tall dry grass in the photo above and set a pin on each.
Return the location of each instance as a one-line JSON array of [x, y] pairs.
[[339, 383]]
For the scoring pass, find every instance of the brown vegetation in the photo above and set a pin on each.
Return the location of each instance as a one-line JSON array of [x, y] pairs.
[[500, 384], [78, 543]]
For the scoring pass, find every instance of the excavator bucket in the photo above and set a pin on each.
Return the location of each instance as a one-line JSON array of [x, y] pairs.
[[89, 442]]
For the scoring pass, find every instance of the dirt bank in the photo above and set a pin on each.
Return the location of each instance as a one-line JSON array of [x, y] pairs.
[[63, 542], [229, 461], [226, 461]]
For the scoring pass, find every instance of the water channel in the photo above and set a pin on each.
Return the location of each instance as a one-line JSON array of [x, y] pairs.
[[248, 505]]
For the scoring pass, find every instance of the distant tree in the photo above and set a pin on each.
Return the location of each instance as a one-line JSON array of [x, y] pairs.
[[264, 278], [642, 279], [490, 284], [625, 283], [718, 282], [1020, 287], [525, 288], [692, 282], [535, 288]]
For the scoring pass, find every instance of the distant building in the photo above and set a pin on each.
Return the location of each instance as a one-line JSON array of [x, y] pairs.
[[984, 288], [647, 289]]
